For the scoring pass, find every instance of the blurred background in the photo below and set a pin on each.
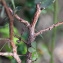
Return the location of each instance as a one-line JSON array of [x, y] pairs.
[[49, 44]]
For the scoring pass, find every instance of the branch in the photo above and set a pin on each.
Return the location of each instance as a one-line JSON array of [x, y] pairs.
[[20, 19], [33, 24], [15, 55], [6, 54], [49, 28], [36, 16]]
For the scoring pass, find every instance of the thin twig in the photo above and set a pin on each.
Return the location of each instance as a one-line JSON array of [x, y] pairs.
[[15, 55], [36, 16], [49, 28], [20, 19], [6, 54], [5, 39]]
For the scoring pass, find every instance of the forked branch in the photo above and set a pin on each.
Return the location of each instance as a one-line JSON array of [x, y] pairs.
[[20, 19]]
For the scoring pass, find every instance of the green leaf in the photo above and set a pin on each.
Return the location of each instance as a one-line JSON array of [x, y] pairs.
[[22, 48], [43, 11], [2, 14], [15, 39], [12, 1], [5, 31], [25, 35], [33, 44], [30, 3], [31, 49], [13, 61], [9, 57], [34, 56]]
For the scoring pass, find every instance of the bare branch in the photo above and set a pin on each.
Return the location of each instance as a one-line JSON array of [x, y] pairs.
[[33, 24], [20, 19], [15, 55], [6, 54], [36, 16], [49, 28]]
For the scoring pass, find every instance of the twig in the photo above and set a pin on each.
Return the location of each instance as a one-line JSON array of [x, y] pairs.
[[20, 19], [49, 28], [6, 54], [15, 55], [36, 16], [5, 39]]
